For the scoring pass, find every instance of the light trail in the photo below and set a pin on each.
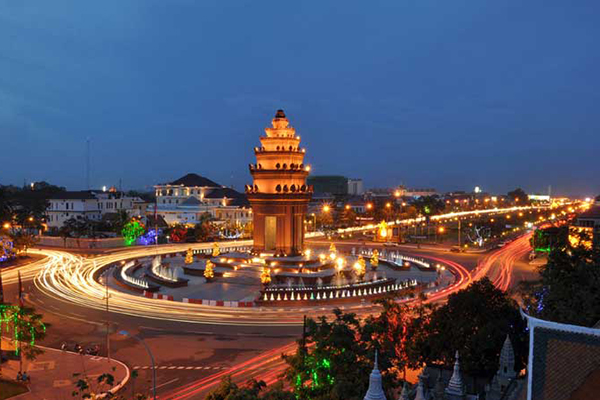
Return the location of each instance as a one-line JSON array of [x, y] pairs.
[[504, 258], [250, 368], [70, 278], [498, 266]]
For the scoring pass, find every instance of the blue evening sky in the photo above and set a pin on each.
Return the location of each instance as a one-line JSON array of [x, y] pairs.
[[428, 93]]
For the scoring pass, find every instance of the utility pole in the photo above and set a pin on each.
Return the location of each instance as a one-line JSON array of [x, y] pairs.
[[459, 234], [107, 317]]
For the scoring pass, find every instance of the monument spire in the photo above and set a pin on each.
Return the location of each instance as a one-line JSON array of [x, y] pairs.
[[507, 360], [404, 393], [375, 391], [456, 388], [421, 389], [279, 194]]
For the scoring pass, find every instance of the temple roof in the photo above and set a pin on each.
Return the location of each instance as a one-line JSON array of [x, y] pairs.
[[564, 360], [565, 364], [279, 114]]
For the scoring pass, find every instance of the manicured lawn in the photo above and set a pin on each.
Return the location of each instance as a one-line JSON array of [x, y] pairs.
[[9, 389]]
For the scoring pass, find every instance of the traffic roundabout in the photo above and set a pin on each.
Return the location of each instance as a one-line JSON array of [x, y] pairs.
[[82, 281]]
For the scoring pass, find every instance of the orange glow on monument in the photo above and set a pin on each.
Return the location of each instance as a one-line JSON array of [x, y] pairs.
[[279, 195]]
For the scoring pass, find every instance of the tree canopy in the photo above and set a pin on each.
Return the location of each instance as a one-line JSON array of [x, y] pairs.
[[568, 289], [474, 321]]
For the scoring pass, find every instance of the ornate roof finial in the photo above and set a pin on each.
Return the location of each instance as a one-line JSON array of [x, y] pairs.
[[421, 389], [404, 393], [507, 360], [375, 391], [280, 114], [456, 386]]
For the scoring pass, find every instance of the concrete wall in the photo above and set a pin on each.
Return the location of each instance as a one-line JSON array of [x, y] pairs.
[[81, 243]]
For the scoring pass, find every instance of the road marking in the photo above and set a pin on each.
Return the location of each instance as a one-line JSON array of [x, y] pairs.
[[166, 383], [178, 367]]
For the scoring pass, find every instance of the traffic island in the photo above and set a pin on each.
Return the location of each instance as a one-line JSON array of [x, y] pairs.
[[54, 374], [9, 388]]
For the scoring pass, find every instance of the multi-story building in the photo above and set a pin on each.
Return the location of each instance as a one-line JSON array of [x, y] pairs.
[[590, 221], [333, 184], [87, 204], [187, 199], [355, 187], [416, 193]]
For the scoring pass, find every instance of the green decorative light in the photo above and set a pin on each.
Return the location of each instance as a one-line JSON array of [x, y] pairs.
[[131, 231], [12, 315]]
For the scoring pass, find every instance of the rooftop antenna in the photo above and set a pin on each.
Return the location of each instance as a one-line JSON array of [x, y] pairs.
[[87, 163], [550, 191]]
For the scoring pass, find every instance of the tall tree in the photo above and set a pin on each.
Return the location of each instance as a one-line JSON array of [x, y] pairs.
[[429, 205], [335, 360], [568, 289], [474, 321], [518, 196], [23, 240]]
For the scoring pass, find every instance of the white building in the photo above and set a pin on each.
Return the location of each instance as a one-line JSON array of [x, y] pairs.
[[87, 204], [355, 187], [416, 193], [185, 200]]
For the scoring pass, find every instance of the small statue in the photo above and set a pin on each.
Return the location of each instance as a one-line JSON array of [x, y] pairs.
[[216, 251]]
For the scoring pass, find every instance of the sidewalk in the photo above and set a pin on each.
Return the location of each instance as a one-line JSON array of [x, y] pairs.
[[52, 373]]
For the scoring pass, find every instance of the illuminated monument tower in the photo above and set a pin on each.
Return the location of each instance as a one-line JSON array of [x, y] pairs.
[[279, 194]]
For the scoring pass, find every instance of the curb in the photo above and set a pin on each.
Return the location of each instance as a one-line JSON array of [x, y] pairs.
[[116, 388], [219, 303], [157, 296], [205, 302]]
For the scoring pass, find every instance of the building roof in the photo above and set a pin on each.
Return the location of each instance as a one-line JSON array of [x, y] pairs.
[[565, 364], [191, 201], [238, 199], [74, 195], [191, 180], [592, 213]]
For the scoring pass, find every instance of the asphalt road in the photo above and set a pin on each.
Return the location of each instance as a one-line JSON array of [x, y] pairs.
[[191, 358]]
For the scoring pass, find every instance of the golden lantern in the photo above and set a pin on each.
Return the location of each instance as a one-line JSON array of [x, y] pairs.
[[360, 266], [209, 270], [375, 259], [383, 232], [265, 276], [189, 256]]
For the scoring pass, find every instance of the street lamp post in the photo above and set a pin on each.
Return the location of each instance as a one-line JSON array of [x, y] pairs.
[[459, 234], [125, 333]]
